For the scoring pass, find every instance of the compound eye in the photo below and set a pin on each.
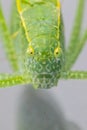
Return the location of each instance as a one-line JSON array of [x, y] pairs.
[[57, 51], [30, 50]]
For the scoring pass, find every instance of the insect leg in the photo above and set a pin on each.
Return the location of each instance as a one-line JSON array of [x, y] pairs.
[[75, 35], [75, 75], [7, 80], [8, 44], [81, 42], [17, 36]]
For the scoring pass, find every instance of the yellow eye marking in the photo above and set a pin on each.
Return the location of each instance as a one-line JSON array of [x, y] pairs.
[[30, 50], [57, 51]]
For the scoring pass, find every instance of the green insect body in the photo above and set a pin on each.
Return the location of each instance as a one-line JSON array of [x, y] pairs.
[[42, 62], [36, 48]]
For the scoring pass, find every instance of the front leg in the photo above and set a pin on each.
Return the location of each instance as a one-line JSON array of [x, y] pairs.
[[8, 80], [75, 75]]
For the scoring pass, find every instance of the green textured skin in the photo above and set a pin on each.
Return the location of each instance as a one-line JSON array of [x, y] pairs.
[[43, 67]]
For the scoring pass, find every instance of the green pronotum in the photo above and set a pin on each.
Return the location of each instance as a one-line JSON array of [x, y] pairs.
[[35, 44]]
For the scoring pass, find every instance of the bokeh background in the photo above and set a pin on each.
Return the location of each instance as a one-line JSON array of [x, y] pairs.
[[70, 95]]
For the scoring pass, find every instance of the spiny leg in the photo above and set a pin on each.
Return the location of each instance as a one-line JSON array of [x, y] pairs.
[[75, 35], [8, 80], [77, 51], [75, 75], [10, 51]]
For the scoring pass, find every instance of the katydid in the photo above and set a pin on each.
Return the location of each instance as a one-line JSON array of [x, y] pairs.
[[35, 46]]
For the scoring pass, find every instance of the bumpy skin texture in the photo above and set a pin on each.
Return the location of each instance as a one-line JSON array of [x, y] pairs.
[[44, 63], [43, 66]]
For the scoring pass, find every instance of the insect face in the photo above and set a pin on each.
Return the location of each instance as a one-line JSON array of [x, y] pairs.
[[44, 62]]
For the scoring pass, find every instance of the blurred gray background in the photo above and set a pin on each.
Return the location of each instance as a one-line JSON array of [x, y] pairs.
[[70, 95]]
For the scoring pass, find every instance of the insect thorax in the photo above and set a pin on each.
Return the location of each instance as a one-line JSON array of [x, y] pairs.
[[44, 67]]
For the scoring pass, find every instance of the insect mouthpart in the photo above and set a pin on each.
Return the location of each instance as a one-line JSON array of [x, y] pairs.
[[45, 80], [44, 75]]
